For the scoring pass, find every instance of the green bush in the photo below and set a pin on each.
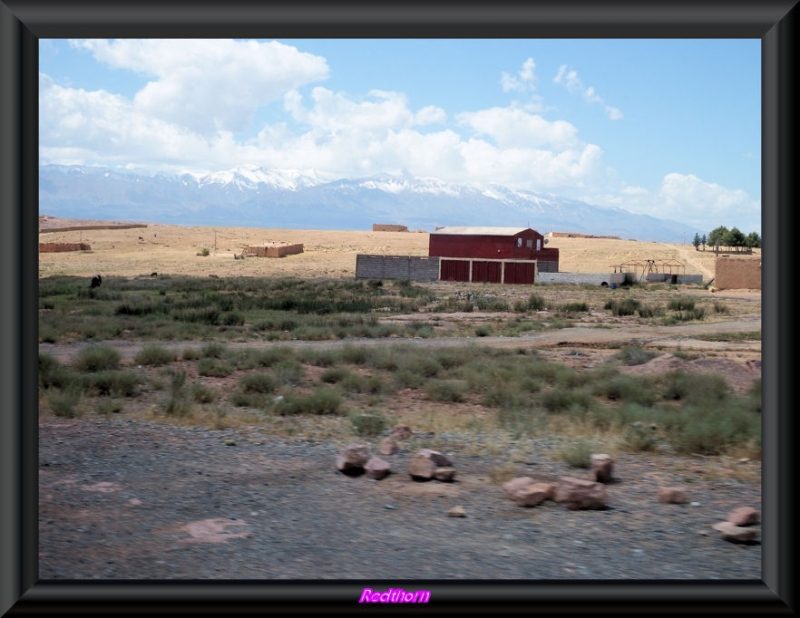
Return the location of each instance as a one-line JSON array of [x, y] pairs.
[[536, 303], [627, 388], [577, 454], [369, 424], [626, 306], [258, 383], [214, 368], [63, 403], [635, 356], [446, 391], [321, 401], [155, 355], [682, 303], [97, 357], [115, 383]]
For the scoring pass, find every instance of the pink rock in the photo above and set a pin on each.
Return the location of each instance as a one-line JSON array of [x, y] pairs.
[[580, 494], [744, 516], [736, 534], [401, 432], [602, 468], [377, 468], [352, 459], [672, 495], [421, 468], [388, 446], [526, 492], [445, 474]]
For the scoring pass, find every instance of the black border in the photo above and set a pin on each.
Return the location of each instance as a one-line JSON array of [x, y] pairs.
[[24, 22]]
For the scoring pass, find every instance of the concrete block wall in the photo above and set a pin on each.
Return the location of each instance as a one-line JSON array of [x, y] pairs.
[[58, 247], [580, 278], [397, 267]]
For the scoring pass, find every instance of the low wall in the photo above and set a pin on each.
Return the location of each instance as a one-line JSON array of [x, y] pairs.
[[272, 251], [386, 227], [397, 267], [580, 278], [678, 279], [733, 273], [58, 247]]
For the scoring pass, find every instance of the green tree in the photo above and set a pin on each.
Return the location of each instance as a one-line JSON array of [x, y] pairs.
[[704, 241], [696, 241], [735, 238], [717, 237], [753, 241]]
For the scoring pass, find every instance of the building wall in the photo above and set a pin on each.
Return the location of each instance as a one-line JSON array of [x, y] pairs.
[[733, 273], [412, 268], [493, 247], [273, 251], [488, 271]]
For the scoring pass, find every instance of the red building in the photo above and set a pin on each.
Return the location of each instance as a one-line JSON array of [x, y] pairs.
[[482, 252]]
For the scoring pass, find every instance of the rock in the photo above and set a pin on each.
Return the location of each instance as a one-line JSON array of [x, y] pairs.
[[744, 516], [672, 495], [457, 511], [229, 442], [602, 468], [444, 475], [401, 432], [427, 463], [580, 494], [388, 446], [736, 534], [352, 459], [377, 468], [526, 492]]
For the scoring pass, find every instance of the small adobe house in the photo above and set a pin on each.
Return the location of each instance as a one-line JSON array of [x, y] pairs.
[[493, 254]]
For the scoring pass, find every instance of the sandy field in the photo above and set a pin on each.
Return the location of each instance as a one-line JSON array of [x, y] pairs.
[[173, 249]]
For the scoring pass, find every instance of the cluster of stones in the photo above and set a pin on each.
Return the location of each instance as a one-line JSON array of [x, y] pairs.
[[737, 527], [572, 492], [426, 465]]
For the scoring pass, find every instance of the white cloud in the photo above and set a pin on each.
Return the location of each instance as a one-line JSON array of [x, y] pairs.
[[691, 200], [573, 83], [513, 127], [208, 85], [524, 80]]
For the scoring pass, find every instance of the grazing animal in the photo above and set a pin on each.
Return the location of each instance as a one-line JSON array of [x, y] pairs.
[[140, 238], [214, 276], [154, 274], [96, 281]]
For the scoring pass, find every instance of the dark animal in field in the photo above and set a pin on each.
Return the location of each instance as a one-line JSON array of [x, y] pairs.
[[96, 281], [140, 238], [238, 256], [214, 276], [154, 274]]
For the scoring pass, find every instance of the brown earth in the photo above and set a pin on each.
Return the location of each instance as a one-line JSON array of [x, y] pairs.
[[129, 496]]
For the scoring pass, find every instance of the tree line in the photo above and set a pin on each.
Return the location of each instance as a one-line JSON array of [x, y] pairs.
[[723, 238]]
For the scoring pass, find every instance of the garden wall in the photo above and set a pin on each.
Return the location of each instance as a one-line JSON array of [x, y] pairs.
[[397, 267]]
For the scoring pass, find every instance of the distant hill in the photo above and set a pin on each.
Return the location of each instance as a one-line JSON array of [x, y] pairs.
[[290, 199]]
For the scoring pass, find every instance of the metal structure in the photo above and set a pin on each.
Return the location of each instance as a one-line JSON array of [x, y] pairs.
[[643, 268]]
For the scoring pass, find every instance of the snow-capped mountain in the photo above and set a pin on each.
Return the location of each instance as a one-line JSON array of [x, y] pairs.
[[255, 197]]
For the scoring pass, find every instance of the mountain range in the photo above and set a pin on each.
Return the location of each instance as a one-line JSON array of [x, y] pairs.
[[290, 199]]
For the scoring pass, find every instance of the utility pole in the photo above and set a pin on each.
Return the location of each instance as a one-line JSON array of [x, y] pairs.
[[215, 241]]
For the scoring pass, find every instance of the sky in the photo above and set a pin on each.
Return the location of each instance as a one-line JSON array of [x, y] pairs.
[[665, 127]]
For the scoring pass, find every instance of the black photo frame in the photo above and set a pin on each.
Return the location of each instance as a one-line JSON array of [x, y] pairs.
[[24, 22]]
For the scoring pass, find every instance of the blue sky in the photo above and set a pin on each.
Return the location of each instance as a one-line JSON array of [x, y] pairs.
[[666, 127]]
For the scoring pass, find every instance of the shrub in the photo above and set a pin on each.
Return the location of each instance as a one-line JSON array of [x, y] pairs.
[[578, 454], [211, 367], [705, 389], [627, 388], [319, 402], [97, 357], [682, 303], [559, 400], [204, 252], [619, 308], [449, 391], [177, 404], [334, 375], [635, 356], [369, 424], [258, 383], [536, 303], [154, 354], [116, 383], [202, 394], [105, 407], [53, 374], [576, 307], [63, 403]]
